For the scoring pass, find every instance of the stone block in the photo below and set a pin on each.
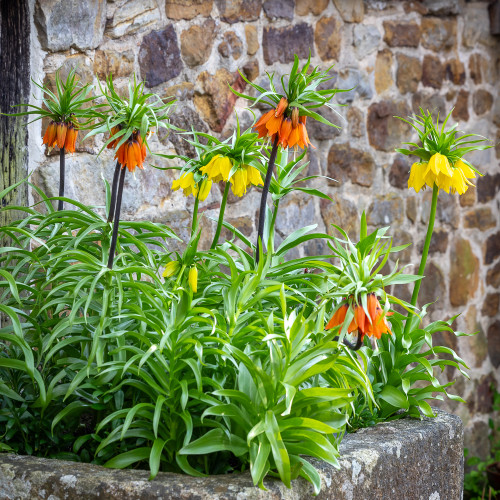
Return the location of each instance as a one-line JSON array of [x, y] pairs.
[[384, 131], [356, 121], [119, 64], [487, 187], [133, 16], [464, 273], [490, 305], [409, 73], [159, 56], [358, 81], [481, 218], [385, 210], [492, 248], [234, 11], [432, 71], [439, 242], [231, 45], [280, 44], [428, 100], [455, 71], [197, 42], [433, 287], [279, 9], [348, 163], [352, 11], [443, 7], [482, 101], [400, 172], [494, 343], [401, 34], [461, 109], [366, 39], [439, 34], [328, 38], [342, 212], [187, 9], [63, 24], [252, 37], [383, 71], [315, 7], [493, 276]]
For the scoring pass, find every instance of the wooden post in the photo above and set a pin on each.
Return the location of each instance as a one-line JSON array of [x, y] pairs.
[[15, 71]]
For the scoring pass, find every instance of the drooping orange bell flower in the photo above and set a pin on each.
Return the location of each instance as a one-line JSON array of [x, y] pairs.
[[50, 137], [374, 324], [132, 152], [62, 135], [70, 141]]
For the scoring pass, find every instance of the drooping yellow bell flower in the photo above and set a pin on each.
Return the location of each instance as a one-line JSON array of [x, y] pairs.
[[218, 168], [193, 279], [171, 268], [186, 183], [439, 163], [417, 176], [205, 188]]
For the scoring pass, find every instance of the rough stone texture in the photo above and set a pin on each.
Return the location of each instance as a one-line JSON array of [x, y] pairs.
[[482, 101], [384, 131], [366, 38], [233, 11], [494, 343], [492, 251], [280, 44], [304, 7], [385, 210], [432, 72], [120, 64], [328, 38], [482, 218], [342, 212], [159, 57], [373, 461], [383, 71], [455, 71], [428, 100], [464, 273], [345, 162], [217, 101], [66, 23], [400, 170], [439, 34], [351, 11], [433, 287], [490, 306], [252, 37], [439, 242], [133, 16], [197, 42], [409, 73], [399, 34], [187, 9], [231, 45], [461, 110], [279, 9], [487, 187]]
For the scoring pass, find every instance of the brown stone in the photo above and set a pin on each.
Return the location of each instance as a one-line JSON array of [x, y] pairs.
[[243, 224], [487, 187], [477, 67], [477, 343], [216, 103], [432, 72], [411, 208], [461, 110], [351, 11], [483, 395], [385, 210], [251, 69], [280, 44], [443, 7], [252, 36], [345, 162], [400, 34], [80, 63], [494, 343], [384, 131], [476, 26], [279, 9], [342, 212], [315, 7], [433, 287], [234, 11], [416, 6], [182, 91], [197, 42], [159, 56], [447, 210], [439, 242], [493, 276], [187, 9], [356, 121], [119, 64], [490, 304], [481, 218], [428, 100], [482, 101], [468, 199], [409, 73], [464, 273], [455, 71], [383, 71], [231, 45], [439, 34], [135, 16], [318, 131], [400, 171], [492, 248], [328, 38]]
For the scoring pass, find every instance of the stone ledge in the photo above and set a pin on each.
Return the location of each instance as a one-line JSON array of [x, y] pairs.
[[403, 459]]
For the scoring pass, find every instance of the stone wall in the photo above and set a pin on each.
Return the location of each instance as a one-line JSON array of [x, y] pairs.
[[395, 55]]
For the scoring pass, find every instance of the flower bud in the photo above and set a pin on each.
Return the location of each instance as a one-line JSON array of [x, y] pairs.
[[171, 268], [193, 279]]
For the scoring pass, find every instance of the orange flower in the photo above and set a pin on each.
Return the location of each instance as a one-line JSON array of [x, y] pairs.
[[374, 324], [132, 153], [62, 129], [290, 127], [70, 142], [114, 142], [50, 135]]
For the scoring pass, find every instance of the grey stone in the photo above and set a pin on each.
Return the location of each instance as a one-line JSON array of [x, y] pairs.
[[133, 16], [280, 44], [63, 24], [443, 7], [366, 38], [409, 458], [353, 78], [279, 9], [159, 56]]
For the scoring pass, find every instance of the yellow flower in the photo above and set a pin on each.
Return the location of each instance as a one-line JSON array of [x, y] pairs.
[[186, 182], [417, 176], [193, 279], [239, 182], [245, 176], [171, 268], [205, 188], [466, 170], [218, 168], [439, 163]]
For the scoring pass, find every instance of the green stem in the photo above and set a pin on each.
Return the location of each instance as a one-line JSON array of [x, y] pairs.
[[425, 252], [275, 212], [195, 214], [62, 174], [221, 216]]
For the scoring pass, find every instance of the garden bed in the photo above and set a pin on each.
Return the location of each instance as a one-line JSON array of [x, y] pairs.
[[402, 459]]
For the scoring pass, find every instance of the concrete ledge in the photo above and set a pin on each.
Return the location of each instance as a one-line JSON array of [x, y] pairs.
[[400, 460]]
